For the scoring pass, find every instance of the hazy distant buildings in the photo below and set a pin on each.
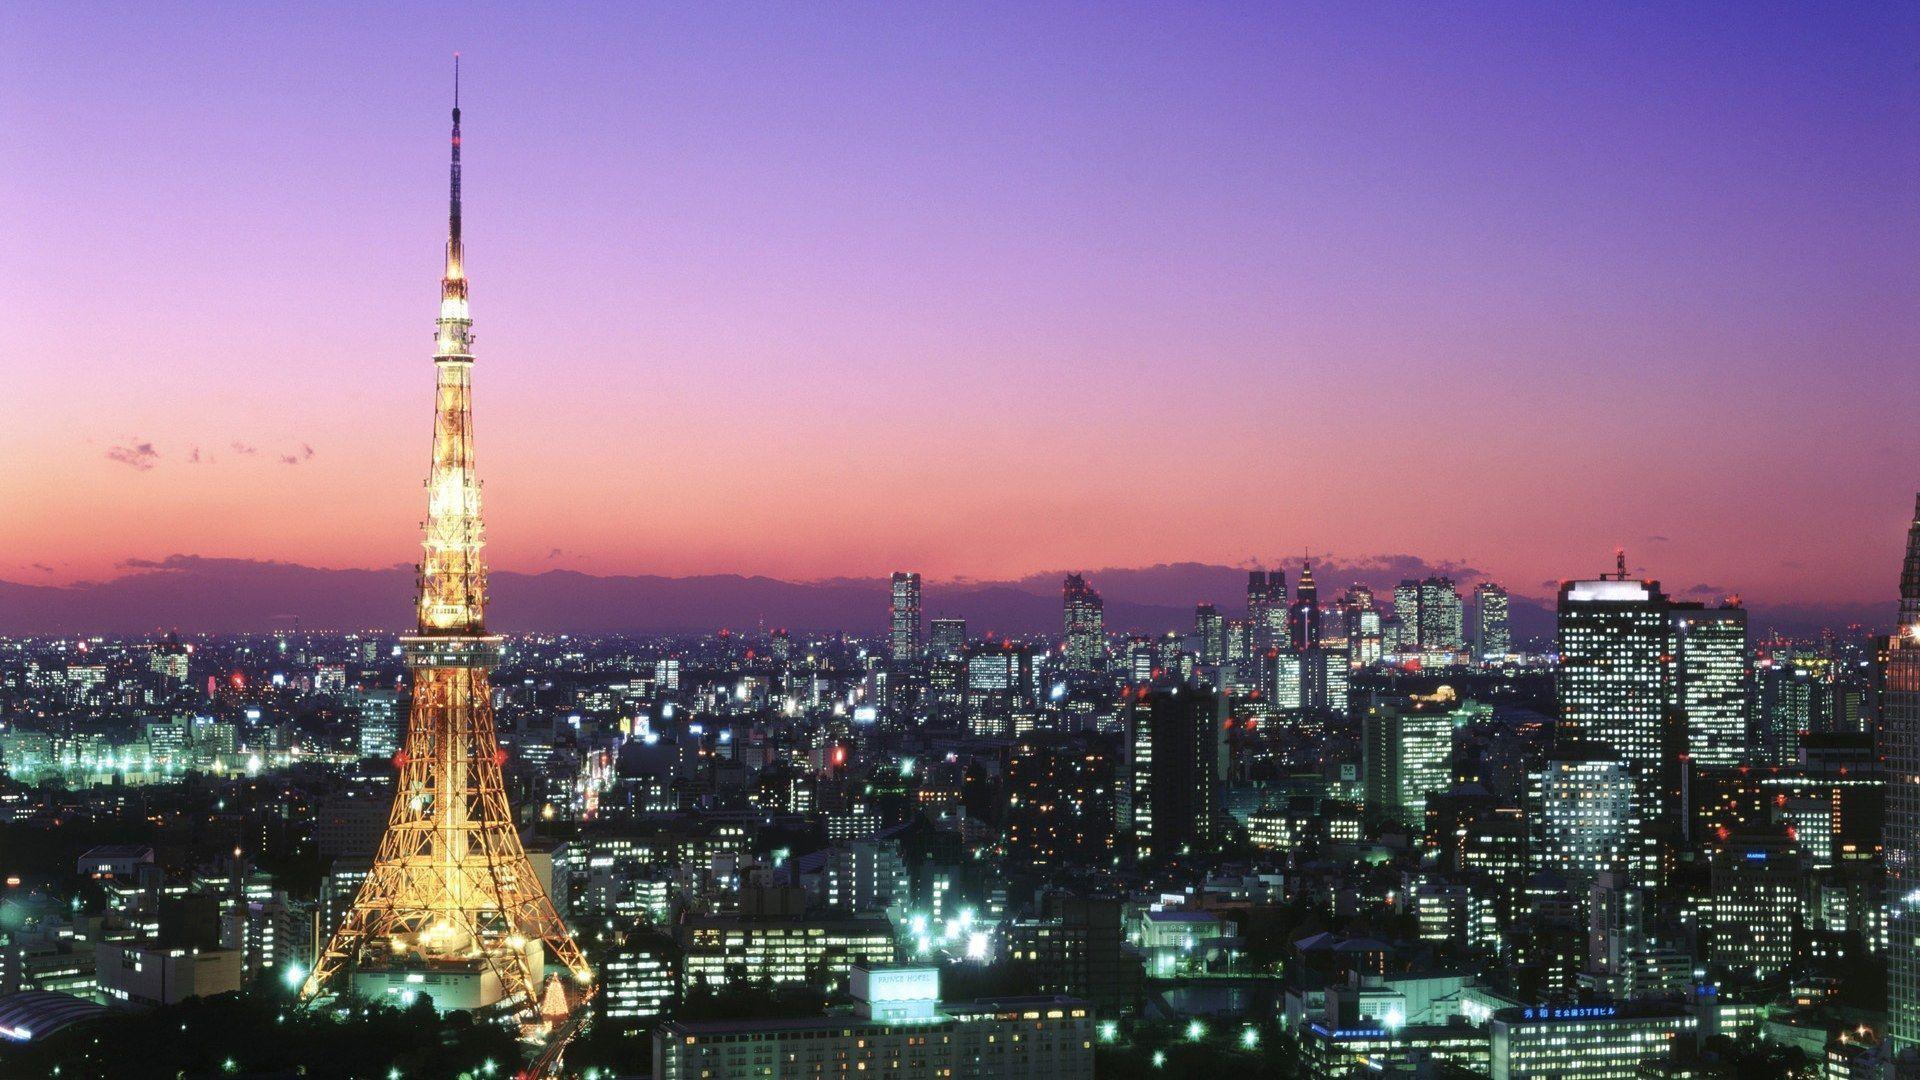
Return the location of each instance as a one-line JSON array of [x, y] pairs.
[[1492, 635], [947, 638], [1430, 616], [1210, 634], [1305, 622], [1267, 609], [1360, 622], [1086, 633], [905, 621]]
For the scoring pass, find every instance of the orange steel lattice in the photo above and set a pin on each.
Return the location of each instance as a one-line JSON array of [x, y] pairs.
[[451, 883]]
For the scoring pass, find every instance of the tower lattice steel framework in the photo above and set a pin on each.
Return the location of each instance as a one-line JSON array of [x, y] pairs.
[[451, 883]]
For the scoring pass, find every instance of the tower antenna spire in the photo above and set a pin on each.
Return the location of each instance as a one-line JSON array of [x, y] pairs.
[[454, 284]]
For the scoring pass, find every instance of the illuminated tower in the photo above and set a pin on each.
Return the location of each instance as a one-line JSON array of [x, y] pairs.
[[905, 617], [1085, 618], [452, 901], [1306, 611], [1900, 749]]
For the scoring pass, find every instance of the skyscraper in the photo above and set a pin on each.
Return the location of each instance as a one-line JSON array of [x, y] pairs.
[[1614, 636], [451, 891], [1430, 615], [1305, 622], [1900, 748], [1442, 628], [1406, 614], [1174, 746], [1492, 639], [1710, 682], [1086, 632], [1360, 621], [1210, 632], [948, 638], [905, 623], [1406, 754], [1267, 609], [1582, 811]]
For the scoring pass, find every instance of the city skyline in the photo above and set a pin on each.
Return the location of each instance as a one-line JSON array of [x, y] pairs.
[[1304, 257]]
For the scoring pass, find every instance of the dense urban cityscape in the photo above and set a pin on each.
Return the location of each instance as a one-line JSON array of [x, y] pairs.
[[1307, 837], [1327, 828]]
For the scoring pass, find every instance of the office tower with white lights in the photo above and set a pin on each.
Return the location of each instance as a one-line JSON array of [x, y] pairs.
[[1210, 634], [1614, 633], [1710, 684], [947, 638], [1267, 609], [1492, 635], [1084, 615], [905, 621], [1305, 621]]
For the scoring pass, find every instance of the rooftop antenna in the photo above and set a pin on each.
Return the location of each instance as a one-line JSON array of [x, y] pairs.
[[1620, 562]]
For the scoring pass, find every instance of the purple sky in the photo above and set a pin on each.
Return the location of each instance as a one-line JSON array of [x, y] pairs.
[[812, 290]]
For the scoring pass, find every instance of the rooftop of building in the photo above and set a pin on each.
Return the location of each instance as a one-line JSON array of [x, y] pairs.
[[950, 1011]]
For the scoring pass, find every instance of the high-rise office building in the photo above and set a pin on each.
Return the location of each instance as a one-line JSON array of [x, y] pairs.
[[1174, 748], [1305, 622], [1582, 812], [947, 638], [1754, 913], [1406, 754], [905, 621], [1611, 678], [1789, 696], [1442, 624], [1267, 609], [1492, 635], [1360, 623], [1900, 749], [1406, 615], [1323, 679], [1430, 614], [1086, 633], [1210, 634], [1614, 635], [1710, 687]]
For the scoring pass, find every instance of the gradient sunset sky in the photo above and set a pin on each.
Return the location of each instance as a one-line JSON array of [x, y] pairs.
[[835, 289]]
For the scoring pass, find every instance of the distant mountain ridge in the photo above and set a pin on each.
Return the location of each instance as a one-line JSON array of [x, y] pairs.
[[196, 594]]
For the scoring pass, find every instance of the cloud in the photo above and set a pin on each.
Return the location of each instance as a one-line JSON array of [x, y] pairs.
[[1658, 539], [42, 567], [306, 452], [193, 456], [244, 448], [140, 455], [1707, 590], [289, 459], [555, 553]]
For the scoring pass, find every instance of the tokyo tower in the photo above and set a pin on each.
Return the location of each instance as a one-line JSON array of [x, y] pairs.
[[452, 907]]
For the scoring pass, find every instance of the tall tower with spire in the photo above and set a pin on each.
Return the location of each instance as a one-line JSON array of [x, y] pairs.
[[1900, 749], [451, 892]]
